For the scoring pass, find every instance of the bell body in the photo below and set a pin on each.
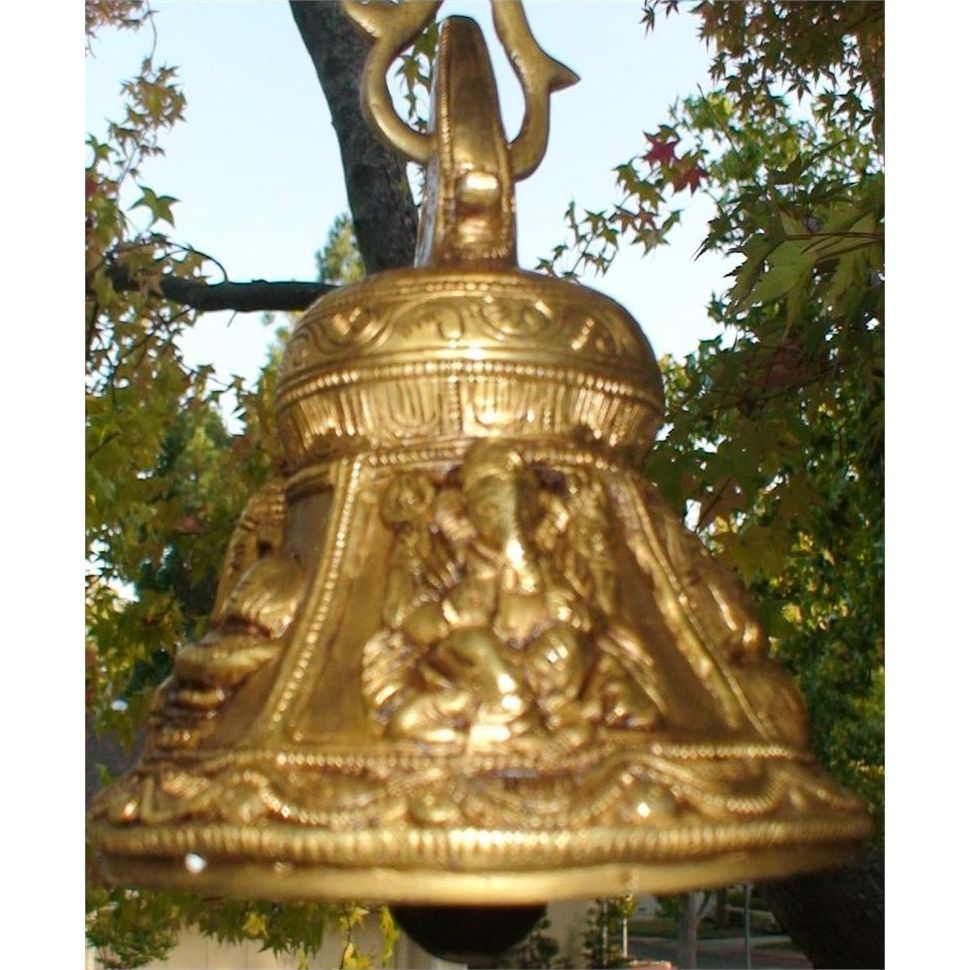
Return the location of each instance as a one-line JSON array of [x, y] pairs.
[[462, 651]]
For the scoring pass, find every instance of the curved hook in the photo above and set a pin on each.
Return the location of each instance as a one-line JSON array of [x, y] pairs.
[[539, 74], [395, 25]]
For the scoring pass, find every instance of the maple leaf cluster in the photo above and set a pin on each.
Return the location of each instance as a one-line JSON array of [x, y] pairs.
[[684, 172]]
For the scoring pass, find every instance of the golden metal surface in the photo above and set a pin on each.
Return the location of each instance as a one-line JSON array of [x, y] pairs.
[[461, 651], [393, 26]]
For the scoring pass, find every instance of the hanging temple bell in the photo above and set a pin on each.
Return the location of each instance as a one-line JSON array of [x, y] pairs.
[[462, 652]]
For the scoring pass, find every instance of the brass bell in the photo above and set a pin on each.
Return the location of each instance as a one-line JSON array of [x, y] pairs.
[[462, 653]]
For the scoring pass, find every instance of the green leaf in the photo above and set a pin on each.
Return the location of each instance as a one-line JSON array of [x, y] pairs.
[[778, 281], [756, 251], [390, 934], [160, 206]]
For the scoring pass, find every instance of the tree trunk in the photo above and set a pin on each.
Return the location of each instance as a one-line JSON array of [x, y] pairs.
[[687, 931], [604, 931], [721, 909], [837, 918], [385, 218]]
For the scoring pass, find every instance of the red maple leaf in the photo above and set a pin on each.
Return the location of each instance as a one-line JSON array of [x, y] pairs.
[[661, 152], [691, 177]]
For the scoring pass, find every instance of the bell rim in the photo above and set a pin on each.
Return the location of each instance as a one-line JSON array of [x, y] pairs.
[[474, 866], [379, 885]]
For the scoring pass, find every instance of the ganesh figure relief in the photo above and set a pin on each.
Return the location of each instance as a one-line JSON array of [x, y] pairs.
[[497, 615]]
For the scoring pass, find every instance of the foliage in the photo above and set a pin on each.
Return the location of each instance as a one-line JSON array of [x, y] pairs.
[[340, 259], [294, 930], [774, 447], [129, 929], [604, 920], [118, 14], [349, 918], [414, 67], [164, 479], [166, 482], [670, 907]]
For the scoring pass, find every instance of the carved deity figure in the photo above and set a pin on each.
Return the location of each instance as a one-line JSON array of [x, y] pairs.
[[485, 635]]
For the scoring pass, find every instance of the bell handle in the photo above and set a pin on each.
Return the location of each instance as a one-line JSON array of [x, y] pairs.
[[393, 26]]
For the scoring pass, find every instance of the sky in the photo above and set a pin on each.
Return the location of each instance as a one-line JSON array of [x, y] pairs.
[[256, 167]]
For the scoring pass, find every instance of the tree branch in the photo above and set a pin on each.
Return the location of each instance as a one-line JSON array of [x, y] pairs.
[[243, 297], [385, 218]]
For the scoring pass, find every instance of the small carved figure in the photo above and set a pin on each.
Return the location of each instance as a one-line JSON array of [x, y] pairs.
[[422, 559], [718, 600], [719, 607], [260, 589], [587, 549]]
